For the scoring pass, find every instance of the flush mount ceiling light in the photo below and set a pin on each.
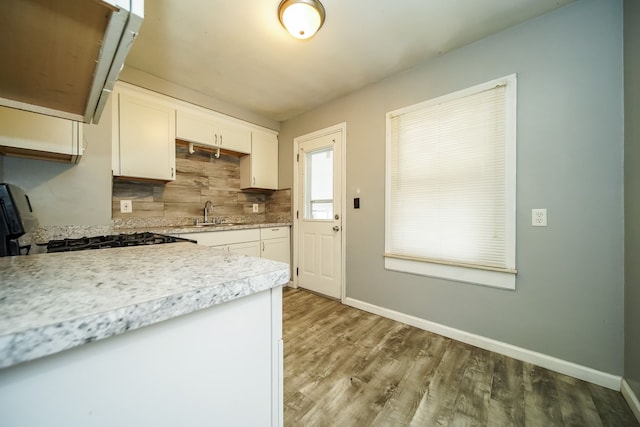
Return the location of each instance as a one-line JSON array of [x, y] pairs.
[[301, 18]]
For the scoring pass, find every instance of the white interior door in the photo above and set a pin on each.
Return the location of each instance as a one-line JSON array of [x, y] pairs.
[[319, 213]]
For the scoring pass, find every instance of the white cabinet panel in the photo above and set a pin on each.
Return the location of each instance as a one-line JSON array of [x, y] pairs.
[[207, 128], [275, 244], [193, 127], [276, 249], [223, 238], [146, 138], [274, 233], [246, 242], [234, 137], [260, 168], [37, 136], [246, 248]]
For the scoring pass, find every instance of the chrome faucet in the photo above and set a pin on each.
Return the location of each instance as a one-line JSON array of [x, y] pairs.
[[208, 206]]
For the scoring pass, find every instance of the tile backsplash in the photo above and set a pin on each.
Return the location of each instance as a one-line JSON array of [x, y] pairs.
[[200, 177]]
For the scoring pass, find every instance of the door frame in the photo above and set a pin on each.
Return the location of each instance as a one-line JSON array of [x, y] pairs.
[[341, 127]]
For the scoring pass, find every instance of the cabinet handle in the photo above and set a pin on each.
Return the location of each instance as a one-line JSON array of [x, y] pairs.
[[262, 246], [221, 140], [216, 140], [254, 180], [172, 173]]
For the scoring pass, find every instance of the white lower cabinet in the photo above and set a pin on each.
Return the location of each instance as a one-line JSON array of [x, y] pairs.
[[245, 241], [246, 248], [275, 244], [270, 243]]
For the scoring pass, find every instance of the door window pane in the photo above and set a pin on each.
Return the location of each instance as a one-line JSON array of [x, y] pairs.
[[319, 184]]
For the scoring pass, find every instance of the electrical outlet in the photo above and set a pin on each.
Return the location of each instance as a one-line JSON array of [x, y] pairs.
[[256, 208], [539, 217], [126, 206]]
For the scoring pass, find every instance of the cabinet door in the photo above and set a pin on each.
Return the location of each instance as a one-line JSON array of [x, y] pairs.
[[195, 127], [260, 168], [226, 237], [244, 248], [34, 135], [247, 248], [147, 138], [234, 137], [276, 249], [208, 129]]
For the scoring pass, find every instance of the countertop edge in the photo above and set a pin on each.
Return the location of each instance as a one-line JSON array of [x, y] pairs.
[[107, 324]]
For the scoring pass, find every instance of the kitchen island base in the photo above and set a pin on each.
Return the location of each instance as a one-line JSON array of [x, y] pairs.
[[217, 366]]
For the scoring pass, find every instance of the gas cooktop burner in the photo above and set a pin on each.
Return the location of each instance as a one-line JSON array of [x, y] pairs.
[[112, 241]]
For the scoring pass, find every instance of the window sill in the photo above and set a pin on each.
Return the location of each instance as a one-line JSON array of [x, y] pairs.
[[476, 276]]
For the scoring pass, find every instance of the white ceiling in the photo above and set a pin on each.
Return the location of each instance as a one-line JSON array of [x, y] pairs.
[[237, 52]]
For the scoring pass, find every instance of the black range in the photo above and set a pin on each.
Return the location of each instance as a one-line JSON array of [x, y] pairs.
[[112, 241]]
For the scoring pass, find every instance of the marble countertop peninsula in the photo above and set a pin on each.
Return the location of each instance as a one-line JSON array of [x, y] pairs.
[[53, 302]]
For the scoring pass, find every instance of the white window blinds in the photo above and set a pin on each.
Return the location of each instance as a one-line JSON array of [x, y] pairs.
[[448, 195]]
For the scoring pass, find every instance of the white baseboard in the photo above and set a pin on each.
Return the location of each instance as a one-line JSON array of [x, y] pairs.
[[631, 398], [549, 362]]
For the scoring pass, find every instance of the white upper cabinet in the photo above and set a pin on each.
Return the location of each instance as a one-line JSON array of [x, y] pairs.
[[36, 136], [62, 58], [260, 169], [144, 140], [146, 125], [207, 128], [234, 137], [195, 127]]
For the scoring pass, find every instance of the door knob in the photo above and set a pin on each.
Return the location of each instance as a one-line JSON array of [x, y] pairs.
[[336, 228]]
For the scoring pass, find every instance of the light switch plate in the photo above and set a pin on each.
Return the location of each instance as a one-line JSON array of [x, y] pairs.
[[256, 208], [539, 217], [126, 206]]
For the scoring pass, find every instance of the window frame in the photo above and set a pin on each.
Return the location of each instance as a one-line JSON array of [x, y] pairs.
[[308, 204], [503, 278]]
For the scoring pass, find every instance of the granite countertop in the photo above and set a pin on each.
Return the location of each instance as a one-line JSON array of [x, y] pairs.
[[53, 302], [204, 228], [41, 235]]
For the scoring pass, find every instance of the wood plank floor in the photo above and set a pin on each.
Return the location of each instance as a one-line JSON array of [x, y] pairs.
[[346, 367]]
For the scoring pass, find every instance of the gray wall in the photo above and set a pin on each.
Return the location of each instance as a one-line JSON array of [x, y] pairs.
[[569, 297], [65, 194], [632, 189]]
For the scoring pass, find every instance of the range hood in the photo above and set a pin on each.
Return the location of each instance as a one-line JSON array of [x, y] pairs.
[[62, 57]]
